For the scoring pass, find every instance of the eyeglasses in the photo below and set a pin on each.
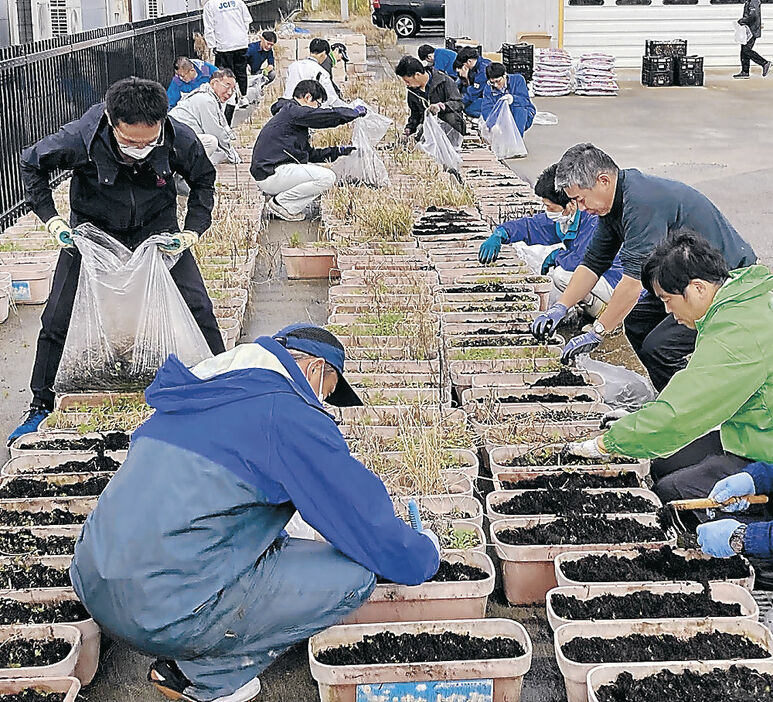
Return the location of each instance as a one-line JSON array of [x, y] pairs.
[[494, 82], [127, 141]]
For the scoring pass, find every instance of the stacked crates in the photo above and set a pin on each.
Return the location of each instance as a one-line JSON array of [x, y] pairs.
[[667, 63], [519, 58], [688, 70]]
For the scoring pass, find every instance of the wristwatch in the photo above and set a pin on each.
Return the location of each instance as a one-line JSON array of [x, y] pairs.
[[737, 539], [599, 328]]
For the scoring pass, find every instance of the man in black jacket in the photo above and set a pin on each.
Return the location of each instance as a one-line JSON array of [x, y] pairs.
[[124, 154], [433, 90], [282, 155], [752, 18]]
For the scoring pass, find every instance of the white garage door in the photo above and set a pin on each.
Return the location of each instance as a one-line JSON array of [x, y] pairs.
[[620, 28]]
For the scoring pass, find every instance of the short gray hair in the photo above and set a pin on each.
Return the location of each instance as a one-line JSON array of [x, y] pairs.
[[581, 165], [303, 356], [221, 73]]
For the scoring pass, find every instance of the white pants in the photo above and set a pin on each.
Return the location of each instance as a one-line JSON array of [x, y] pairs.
[[596, 300], [211, 145], [296, 185]]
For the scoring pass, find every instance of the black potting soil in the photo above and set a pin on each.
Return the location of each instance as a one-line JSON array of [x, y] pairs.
[[573, 481], [15, 612], [23, 653], [574, 502], [32, 487], [543, 397], [109, 441], [557, 416], [32, 695], [25, 542], [387, 647], [519, 304], [552, 457], [489, 288], [582, 529], [654, 564], [499, 340], [457, 572], [665, 647], [564, 378], [644, 605], [10, 517], [97, 463], [18, 576], [512, 329], [736, 684]]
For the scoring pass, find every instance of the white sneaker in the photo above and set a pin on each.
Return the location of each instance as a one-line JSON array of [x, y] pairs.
[[244, 102], [245, 693], [282, 213]]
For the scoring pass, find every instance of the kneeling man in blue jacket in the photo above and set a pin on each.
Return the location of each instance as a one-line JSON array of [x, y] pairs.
[[186, 558], [513, 89], [561, 223]]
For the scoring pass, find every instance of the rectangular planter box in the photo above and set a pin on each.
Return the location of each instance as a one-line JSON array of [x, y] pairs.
[[534, 431], [76, 505], [444, 505], [398, 397], [528, 572], [35, 464], [62, 669], [516, 476], [69, 687], [563, 581], [390, 380], [54, 478], [575, 674], [31, 282], [720, 592], [340, 683], [508, 380], [468, 460], [377, 415], [430, 601], [392, 367], [504, 454]]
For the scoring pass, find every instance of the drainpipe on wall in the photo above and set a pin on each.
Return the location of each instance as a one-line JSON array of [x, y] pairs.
[[560, 24]]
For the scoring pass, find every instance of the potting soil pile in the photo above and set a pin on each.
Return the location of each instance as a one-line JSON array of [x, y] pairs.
[[596, 75], [567, 480], [127, 318], [574, 502], [553, 73], [20, 575]]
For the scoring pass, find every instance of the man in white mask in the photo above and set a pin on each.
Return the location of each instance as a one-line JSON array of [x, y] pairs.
[[123, 154], [560, 224]]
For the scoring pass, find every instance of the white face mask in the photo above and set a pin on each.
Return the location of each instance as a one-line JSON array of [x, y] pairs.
[[320, 393], [559, 217], [136, 152]]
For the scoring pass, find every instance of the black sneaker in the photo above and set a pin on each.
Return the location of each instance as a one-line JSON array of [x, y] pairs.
[[741, 75], [169, 679], [766, 69]]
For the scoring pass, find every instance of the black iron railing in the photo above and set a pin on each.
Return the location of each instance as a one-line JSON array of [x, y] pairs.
[[45, 84]]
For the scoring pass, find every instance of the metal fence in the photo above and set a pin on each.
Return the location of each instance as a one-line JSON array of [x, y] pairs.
[[45, 84]]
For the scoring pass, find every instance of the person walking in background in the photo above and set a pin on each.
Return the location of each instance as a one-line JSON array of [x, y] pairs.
[[189, 74], [226, 31], [752, 18]]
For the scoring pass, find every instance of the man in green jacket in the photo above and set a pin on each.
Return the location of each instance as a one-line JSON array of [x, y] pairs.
[[714, 417]]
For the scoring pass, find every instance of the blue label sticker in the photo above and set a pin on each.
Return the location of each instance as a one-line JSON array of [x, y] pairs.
[[428, 691], [21, 290]]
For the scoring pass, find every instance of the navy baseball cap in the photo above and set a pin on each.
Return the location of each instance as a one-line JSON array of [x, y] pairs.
[[320, 343]]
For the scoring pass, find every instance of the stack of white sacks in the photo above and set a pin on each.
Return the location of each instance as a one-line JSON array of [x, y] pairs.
[[552, 73], [596, 75]]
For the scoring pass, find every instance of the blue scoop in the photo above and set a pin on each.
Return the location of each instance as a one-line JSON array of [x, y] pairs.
[[413, 515]]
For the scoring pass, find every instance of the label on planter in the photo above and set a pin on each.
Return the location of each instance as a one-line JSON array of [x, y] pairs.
[[21, 290], [428, 691]]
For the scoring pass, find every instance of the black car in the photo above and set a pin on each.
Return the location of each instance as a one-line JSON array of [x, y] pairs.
[[408, 17]]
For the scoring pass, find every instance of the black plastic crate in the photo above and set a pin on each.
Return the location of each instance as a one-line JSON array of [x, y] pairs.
[[519, 53], [688, 77], [657, 79], [657, 63], [688, 63], [526, 70], [674, 47], [451, 44]]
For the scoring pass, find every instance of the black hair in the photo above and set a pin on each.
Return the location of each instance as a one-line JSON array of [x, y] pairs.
[[682, 256], [424, 51], [268, 35], [183, 62], [223, 73], [136, 101], [466, 53], [495, 70], [409, 66], [319, 46], [310, 87], [458, 63], [546, 187]]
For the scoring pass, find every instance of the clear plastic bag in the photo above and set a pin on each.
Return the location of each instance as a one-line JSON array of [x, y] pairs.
[[743, 34], [505, 139], [364, 166], [436, 143], [373, 125], [128, 316], [623, 388]]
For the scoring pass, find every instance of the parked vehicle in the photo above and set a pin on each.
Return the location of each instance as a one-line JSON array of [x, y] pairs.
[[407, 17]]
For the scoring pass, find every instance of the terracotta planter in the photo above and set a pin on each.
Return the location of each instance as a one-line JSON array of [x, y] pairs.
[[61, 669], [340, 683], [528, 571], [575, 674], [563, 581], [68, 686], [720, 592], [304, 263]]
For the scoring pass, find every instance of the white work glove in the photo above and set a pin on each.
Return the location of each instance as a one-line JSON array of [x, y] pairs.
[[433, 538], [58, 228], [233, 155], [611, 417], [587, 449], [180, 241], [508, 99], [437, 108]]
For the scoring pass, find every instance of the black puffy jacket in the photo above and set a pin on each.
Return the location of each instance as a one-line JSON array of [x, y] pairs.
[[285, 137], [752, 17], [131, 201], [440, 88]]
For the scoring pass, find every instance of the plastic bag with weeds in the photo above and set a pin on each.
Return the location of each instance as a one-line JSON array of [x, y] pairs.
[[364, 166], [503, 135], [436, 141], [623, 388], [743, 34], [128, 316]]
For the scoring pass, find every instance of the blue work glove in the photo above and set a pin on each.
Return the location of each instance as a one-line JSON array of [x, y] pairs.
[[361, 110], [543, 326], [737, 485], [550, 261], [714, 537], [489, 249], [584, 343], [346, 150]]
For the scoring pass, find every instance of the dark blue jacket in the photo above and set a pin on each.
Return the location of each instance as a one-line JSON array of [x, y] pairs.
[[539, 229], [444, 61], [178, 86], [256, 57], [472, 95], [522, 107], [758, 541]]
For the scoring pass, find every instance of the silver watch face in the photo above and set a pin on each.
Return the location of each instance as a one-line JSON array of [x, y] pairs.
[[598, 327]]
